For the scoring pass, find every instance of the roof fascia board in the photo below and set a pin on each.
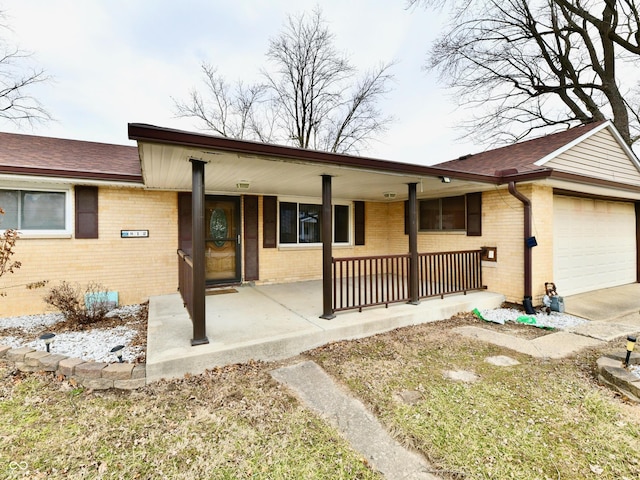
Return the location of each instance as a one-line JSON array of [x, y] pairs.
[[572, 177], [526, 177], [58, 176], [572, 193], [159, 135]]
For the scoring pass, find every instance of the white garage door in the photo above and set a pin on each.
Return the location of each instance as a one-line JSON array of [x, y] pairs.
[[594, 244]]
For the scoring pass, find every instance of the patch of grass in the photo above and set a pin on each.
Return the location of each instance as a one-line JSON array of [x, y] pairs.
[[234, 423], [540, 419], [537, 420]]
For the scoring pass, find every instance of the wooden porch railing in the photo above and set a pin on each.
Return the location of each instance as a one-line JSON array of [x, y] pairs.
[[185, 280], [360, 282]]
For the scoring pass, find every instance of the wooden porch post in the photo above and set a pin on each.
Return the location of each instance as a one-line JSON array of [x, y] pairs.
[[197, 254], [327, 222], [414, 294]]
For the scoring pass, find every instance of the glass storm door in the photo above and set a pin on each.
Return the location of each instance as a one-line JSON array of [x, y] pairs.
[[222, 239]]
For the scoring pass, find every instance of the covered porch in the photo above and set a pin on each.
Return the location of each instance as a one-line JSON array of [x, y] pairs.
[[358, 269], [273, 322]]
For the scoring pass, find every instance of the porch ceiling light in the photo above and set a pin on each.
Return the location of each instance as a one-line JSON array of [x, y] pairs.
[[117, 351], [631, 343], [445, 179], [243, 185], [389, 194], [47, 338]]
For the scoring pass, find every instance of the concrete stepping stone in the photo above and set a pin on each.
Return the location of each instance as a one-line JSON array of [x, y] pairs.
[[461, 376], [502, 361]]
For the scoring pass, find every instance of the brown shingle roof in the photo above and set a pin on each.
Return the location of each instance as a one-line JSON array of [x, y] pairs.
[[520, 156], [56, 157]]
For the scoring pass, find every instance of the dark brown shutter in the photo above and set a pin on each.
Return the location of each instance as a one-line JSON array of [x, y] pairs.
[[358, 208], [251, 271], [406, 217], [184, 222], [86, 212], [474, 214], [269, 221]]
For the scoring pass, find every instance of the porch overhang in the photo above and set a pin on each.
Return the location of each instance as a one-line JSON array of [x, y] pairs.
[[266, 169]]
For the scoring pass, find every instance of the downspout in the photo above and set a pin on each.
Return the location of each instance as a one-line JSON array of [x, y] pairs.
[[526, 302]]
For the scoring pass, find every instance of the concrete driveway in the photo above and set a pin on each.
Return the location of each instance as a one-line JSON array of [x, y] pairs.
[[605, 305]]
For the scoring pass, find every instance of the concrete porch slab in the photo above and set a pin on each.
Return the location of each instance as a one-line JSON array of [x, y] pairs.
[[274, 322]]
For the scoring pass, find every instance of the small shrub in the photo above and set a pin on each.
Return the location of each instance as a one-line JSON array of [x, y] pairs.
[[7, 244], [71, 302]]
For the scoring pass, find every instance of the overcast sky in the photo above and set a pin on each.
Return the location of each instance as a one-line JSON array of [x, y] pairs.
[[119, 61]]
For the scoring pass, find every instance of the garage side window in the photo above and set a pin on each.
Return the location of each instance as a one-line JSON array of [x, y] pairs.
[[32, 210]]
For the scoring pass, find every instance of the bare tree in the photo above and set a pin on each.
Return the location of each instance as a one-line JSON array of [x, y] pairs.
[[16, 79], [310, 98], [524, 65]]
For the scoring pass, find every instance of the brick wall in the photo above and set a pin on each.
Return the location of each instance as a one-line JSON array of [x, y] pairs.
[[502, 227], [136, 267], [140, 267]]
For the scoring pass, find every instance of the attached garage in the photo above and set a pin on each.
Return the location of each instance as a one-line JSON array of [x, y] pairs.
[[594, 244]]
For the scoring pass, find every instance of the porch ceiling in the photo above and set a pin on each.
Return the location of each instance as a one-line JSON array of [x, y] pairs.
[[167, 167]]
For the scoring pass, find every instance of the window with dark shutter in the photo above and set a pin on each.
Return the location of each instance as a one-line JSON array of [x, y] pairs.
[[86, 212], [269, 221], [474, 214]]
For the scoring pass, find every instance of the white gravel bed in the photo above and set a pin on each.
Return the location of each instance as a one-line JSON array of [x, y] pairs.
[[562, 321], [91, 345], [31, 323]]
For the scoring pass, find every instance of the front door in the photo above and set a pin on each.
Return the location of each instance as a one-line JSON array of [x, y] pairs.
[[222, 242], [222, 236]]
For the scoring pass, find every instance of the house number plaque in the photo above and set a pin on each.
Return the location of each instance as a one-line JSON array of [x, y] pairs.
[[134, 233]]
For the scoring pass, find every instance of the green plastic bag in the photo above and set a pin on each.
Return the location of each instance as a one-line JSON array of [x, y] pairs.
[[532, 321], [527, 320]]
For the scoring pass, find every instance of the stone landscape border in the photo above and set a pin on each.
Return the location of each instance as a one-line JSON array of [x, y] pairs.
[[611, 372], [94, 375]]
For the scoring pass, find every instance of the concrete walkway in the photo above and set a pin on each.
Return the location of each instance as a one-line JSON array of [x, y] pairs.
[[274, 322], [613, 313], [359, 426]]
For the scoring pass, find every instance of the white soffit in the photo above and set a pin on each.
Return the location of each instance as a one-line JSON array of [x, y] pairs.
[[168, 167]]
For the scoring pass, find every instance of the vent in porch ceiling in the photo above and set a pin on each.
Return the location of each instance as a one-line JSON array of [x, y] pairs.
[[243, 185]]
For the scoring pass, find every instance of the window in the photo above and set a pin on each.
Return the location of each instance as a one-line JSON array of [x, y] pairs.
[[301, 223], [34, 210], [454, 214], [442, 214]]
